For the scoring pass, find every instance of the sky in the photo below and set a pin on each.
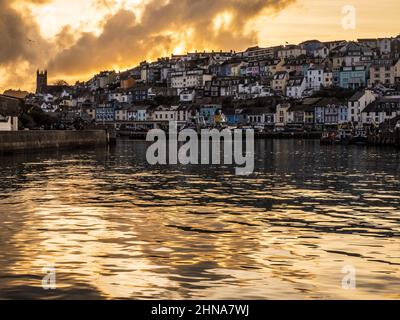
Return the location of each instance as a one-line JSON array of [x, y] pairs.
[[75, 39]]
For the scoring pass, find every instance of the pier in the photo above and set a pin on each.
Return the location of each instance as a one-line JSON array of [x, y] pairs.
[[14, 141]]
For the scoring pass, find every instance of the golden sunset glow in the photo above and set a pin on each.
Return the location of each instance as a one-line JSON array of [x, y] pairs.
[[74, 39]]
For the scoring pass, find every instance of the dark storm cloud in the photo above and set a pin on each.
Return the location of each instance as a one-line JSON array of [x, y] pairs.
[[17, 35]]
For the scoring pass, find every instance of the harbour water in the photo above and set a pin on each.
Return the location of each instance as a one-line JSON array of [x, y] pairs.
[[113, 226]]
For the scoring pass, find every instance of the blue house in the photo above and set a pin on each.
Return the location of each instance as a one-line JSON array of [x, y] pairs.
[[353, 77], [343, 113], [139, 94], [105, 112], [234, 117]]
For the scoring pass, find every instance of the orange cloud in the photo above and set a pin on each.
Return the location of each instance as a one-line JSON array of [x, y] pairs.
[[125, 39]]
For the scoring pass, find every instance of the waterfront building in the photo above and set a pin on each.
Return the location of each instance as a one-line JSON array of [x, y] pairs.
[[234, 117], [10, 108], [282, 115], [330, 112], [357, 104], [208, 112], [165, 113], [105, 112], [381, 110], [303, 113], [260, 117], [121, 112], [296, 114]]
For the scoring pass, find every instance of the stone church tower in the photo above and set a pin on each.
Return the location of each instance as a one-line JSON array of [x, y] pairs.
[[41, 81]]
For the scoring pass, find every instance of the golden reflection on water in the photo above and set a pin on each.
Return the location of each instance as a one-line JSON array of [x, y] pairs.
[[115, 228]]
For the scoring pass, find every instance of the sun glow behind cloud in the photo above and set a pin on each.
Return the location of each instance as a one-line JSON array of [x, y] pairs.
[[222, 21]]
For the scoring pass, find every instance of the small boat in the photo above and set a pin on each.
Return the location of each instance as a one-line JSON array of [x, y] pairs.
[[328, 138]]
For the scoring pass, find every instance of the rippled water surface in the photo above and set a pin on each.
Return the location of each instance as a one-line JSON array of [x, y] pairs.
[[115, 227]]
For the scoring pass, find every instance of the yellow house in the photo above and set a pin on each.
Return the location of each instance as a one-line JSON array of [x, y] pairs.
[[280, 81], [272, 66]]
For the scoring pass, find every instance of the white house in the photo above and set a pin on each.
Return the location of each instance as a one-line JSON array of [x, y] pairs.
[[357, 103], [315, 77], [296, 87], [381, 110], [163, 113], [282, 114]]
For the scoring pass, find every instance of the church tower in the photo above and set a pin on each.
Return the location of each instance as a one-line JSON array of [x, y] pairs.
[[41, 81]]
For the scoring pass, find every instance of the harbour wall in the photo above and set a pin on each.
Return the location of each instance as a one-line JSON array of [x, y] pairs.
[[11, 141]]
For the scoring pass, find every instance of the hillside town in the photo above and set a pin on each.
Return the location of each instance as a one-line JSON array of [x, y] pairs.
[[306, 87]]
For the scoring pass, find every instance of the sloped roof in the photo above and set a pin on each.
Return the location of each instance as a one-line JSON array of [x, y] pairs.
[[357, 96], [259, 110], [328, 101]]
